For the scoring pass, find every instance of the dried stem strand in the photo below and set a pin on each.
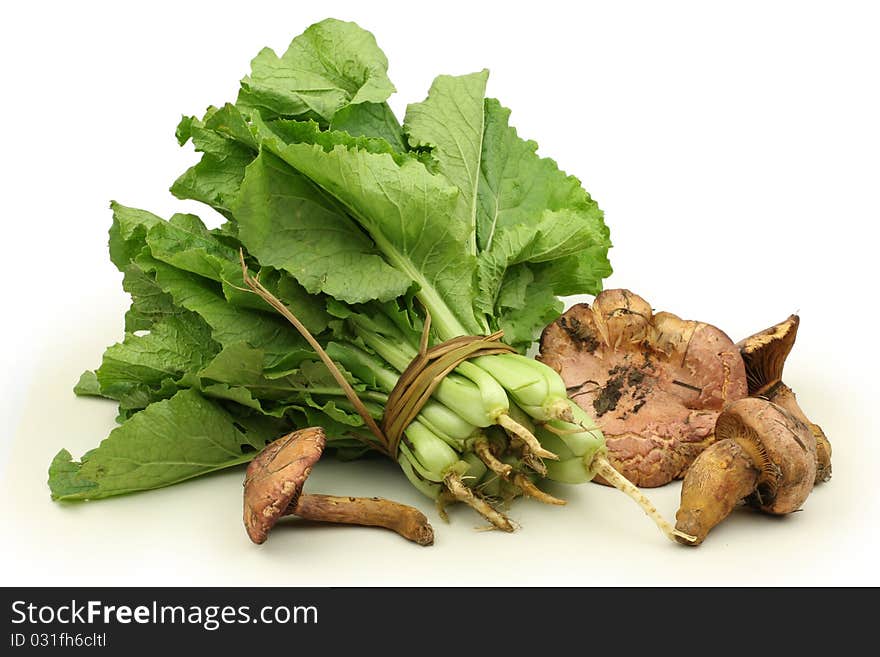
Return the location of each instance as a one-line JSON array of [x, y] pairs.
[[276, 303]]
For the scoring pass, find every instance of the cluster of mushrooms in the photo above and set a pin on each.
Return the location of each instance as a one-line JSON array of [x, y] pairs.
[[675, 399], [678, 399]]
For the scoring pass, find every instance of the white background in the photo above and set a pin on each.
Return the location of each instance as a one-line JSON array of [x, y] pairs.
[[735, 150]]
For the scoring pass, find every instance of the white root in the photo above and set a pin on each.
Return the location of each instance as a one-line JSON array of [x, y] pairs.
[[443, 500], [484, 452], [505, 471], [512, 426], [530, 490], [602, 466], [533, 462], [464, 494]]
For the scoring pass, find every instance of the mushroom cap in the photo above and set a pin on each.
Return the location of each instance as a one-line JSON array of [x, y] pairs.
[[654, 382], [275, 478], [764, 354], [780, 445]]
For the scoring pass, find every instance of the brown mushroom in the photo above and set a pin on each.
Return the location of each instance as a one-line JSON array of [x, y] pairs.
[[654, 382], [273, 488], [764, 355], [764, 454]]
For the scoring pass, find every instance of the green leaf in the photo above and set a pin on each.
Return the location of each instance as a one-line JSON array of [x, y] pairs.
[[287, 222], [370, 120], [128, 239], [331, 65], [227, 147], [521, 207], [408, 212], [558, 235], [65, 481], [310, 132], [229, 122], [87, 386], [512, 246], [514, 289], [238, 394], [333, 411], [236, 374], [262, 429], [576, 274], [128, 233], [168, 442], [315, 375], [283, 346], [522, 325], [308, 308], [503, 182], [149, 303], [227, 233], [349, 452], [518, 187], [186, 243], [143, 368], [183, 132], [452, 122], [237, 363], [185, 261]]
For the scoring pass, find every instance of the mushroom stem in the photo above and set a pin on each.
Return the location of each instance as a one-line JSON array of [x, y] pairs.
[[823, 454], [464, 494], [764, 455], [369, 511], [602, 466], [783, 396], [764, 355], [721, 476], [518, 430]]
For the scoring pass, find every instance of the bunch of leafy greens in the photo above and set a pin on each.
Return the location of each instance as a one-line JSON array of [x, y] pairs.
[[358, 224]]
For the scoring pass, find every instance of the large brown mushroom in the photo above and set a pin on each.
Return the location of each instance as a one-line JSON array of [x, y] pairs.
[[764, 355], [654, 382], [273, 489], [764, 454]]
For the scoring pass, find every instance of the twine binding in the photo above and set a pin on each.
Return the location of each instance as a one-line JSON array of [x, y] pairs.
[[414, 386], [422, 376]]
